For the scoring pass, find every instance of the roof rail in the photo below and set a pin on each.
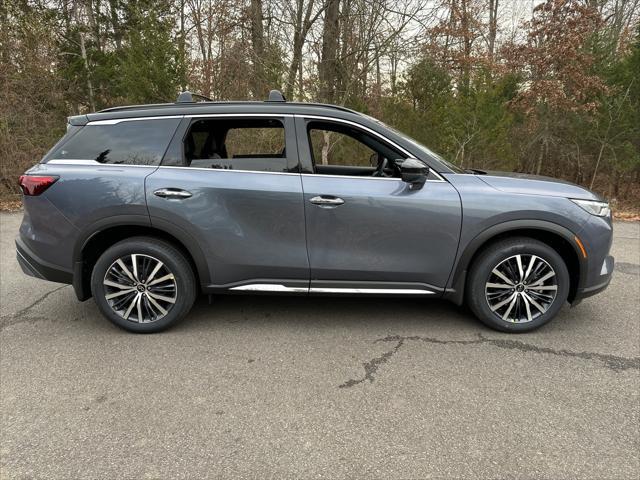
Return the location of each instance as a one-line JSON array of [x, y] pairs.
[[187, 97], [276, 96]]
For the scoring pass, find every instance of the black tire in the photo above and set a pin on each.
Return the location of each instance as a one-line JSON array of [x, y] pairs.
[[173, 260], [505, 250]]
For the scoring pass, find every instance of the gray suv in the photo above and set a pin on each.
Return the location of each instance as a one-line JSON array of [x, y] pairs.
[[144, 207]]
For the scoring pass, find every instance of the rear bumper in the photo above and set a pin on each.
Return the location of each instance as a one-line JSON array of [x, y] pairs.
[[33, 265]]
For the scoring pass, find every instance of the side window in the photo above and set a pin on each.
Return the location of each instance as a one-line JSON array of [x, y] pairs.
[[249, 142], [136, 142], [339, 149], [236, 144]]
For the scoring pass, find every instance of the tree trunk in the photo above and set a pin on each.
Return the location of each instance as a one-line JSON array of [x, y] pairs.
[[182, 50], [79, 15], [540, 157], [493, 26], [301, 29], [595, 170], [326, 137], [93, 6], [393, 60], [466, 32], [83, 52], [346, 70], [115, 23], [4, 33], [298, 42], [257, 39], [327, 70], [300, 81]]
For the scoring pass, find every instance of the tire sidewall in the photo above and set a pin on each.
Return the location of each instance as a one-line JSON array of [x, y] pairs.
[[491, 258], [173, 260]]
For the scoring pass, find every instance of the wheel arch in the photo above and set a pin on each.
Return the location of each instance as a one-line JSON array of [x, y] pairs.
[[556, 236], [101, 236]]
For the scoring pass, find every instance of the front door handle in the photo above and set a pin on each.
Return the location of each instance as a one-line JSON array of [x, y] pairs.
[[175, 193], [327, 201]]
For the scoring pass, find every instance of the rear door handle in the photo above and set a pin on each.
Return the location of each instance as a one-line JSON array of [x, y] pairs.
[[327, 201], [175, 193]]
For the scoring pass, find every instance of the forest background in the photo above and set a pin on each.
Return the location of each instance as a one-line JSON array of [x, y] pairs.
[[549, 87]]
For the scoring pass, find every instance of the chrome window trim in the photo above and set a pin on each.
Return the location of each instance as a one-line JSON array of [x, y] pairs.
[[350, 177], [115, 121], [354, 177], [93, 163], [227, 170]]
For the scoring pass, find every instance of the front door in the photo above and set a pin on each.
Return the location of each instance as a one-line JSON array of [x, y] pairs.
[[231, 185], [367, 232]]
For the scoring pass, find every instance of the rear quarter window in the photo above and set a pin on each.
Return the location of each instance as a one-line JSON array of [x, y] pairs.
[[135, 142]]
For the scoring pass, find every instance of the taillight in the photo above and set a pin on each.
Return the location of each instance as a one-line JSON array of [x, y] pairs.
[[33, 185]]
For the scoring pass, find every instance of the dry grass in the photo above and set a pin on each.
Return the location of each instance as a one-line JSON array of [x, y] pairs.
[[627, 216], [10, 203]]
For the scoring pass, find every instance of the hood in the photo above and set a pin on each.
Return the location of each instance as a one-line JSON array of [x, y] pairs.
[[535, 185]]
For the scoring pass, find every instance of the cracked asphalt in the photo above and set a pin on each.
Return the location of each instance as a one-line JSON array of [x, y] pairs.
[[287, 387]]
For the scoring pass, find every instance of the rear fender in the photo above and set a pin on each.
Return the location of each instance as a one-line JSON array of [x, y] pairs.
[[187, 242]]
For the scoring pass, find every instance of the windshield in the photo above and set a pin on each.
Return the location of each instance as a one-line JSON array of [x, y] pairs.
[[419, 146]]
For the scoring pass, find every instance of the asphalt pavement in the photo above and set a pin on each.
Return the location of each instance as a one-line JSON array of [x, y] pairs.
[[290, 387]]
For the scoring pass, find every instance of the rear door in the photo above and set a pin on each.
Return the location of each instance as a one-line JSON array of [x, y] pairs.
[[103, 163], [366, 233], [231, 183]]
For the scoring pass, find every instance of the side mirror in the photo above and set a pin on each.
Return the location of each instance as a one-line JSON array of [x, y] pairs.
[[414, 172]]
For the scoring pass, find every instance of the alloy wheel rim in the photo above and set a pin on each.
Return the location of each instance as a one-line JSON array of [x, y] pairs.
[[521, 288], [140, 288]]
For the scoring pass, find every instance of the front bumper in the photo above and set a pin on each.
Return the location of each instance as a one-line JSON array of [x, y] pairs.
[[606, 272], [34, 266]]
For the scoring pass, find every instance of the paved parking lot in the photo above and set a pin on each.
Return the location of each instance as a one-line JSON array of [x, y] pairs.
[[303, 388]]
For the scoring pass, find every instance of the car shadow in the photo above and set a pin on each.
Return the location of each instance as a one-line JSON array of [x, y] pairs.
[[326, 312]]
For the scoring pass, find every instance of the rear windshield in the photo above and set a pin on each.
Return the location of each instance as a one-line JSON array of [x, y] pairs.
[[136, 142]]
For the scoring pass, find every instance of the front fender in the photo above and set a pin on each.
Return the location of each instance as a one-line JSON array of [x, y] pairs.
[[457, 280]]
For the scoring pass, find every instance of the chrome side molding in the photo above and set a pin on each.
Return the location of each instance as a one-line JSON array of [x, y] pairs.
[[384, 291], [271, 287]]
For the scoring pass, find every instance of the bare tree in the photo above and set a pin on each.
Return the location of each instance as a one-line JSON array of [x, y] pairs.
[[257, 39], [327, 70], [79, 15], [493, 27], [304, 19]]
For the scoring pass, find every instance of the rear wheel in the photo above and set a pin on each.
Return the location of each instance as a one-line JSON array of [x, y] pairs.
[[143, 284], [517, 285]]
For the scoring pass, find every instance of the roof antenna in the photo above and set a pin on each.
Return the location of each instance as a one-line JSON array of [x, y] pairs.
[[276, 96]]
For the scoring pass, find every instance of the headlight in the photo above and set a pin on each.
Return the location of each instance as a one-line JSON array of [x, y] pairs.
[[600, 209]]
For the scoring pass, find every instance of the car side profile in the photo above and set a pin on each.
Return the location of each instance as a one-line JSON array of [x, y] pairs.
[[145, 207]]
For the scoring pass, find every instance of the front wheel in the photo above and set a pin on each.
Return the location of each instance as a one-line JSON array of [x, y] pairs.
[[517, 285], [143, 284]]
